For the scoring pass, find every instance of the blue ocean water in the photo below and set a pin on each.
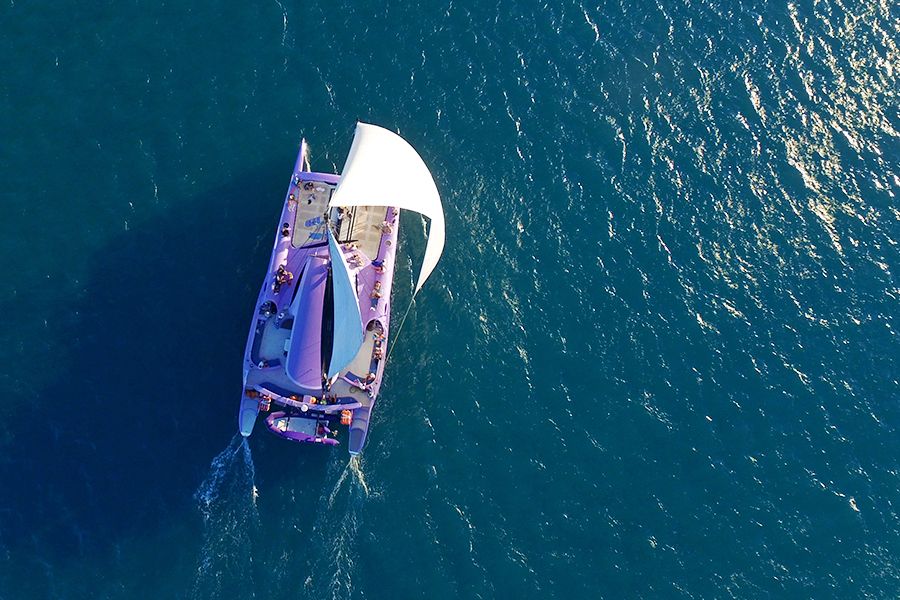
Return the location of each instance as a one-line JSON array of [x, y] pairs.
[[659, 357]]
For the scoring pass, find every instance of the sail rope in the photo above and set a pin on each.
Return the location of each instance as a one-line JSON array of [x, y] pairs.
[[400, 328]]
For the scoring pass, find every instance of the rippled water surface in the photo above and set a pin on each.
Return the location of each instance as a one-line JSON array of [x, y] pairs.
[[659, 357]]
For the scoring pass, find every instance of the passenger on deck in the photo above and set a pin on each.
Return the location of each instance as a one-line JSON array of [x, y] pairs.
[[285, 230], [376, 294], [378, 266], [282, 276], [386, 228], [309, 186], [377, 353]]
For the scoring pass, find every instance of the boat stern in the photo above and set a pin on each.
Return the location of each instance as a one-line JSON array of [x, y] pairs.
[[247, 415]]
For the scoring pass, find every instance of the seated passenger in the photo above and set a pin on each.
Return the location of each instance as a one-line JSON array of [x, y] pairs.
[[370, 380], [376, 294], [283, 276]]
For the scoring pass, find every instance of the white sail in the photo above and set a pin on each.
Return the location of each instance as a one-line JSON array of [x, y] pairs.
[[382, 169]]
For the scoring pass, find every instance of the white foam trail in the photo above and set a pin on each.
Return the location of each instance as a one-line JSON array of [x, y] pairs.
[[336, 529], [227, 502], [355, 467], [337, 487], [209, 490]]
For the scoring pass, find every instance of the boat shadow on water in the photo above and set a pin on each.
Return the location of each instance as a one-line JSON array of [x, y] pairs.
[[101, 465]]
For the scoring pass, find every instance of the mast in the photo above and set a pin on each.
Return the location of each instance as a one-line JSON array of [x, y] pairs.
[[327, 340], [343, 304]]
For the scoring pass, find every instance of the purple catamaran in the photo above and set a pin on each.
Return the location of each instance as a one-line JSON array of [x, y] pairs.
[[316, 353]]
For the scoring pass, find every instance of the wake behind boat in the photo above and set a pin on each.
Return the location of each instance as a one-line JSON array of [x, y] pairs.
[[317, 348]]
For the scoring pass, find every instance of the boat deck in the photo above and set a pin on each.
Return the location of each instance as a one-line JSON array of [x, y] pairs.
[[360, 367], [364, 228], [311, 198], [273, 341], [364, 238]]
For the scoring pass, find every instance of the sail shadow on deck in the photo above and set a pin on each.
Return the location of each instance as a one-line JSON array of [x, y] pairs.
[[227, 503]]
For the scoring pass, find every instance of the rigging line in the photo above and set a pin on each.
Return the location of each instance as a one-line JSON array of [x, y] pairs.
[[399, 329]]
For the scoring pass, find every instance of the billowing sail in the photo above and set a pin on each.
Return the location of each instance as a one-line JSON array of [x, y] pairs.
[[348, 329], [382, 169]]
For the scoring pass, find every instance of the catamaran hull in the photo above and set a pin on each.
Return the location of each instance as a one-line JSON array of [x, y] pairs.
[[283, 369], [317, 347]]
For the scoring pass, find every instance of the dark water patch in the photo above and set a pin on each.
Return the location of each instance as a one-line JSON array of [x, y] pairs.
[[113, 447]]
